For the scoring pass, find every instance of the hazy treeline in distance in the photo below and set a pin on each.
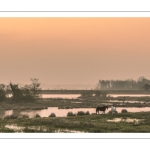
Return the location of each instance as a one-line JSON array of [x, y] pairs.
[[128, 84]]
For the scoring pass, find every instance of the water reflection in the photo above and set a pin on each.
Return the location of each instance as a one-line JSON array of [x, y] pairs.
[[17, 128], [74, 96], [58, 112], [67, 96], [129, 95], [63, 112], [67, 131], [2, 113], [126, 101], [8, 113], [14, 127], [133, 109], [126, 120]]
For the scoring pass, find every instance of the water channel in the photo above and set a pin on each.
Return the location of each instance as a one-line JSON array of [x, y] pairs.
[[75, 96], [129, 95], [63, 112]]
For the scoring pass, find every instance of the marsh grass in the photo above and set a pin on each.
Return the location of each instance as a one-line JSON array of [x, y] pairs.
[[27, 130], [86, 123], [89, 102], [6, 130]]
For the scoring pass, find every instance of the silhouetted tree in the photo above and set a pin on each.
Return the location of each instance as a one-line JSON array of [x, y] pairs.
[[146, 87], [16, 92], [28, 92], [35, 87], [97, 93], [2, 92]]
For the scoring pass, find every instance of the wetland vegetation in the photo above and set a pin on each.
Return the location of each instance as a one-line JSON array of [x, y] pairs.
[[28, 98], [139, 122]]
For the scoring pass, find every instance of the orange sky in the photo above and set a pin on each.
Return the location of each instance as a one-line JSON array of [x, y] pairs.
[[74, 50]]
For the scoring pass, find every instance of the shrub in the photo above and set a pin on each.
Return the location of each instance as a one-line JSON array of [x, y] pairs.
[[87, 113], [71, 114], [37, 116], [110, 112], [93, 113], [11, 117], [52, 115], [25, 116], [82, 113], [124, 111]]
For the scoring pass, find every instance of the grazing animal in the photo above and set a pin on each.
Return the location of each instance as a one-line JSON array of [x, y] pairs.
[[103, 108], [113, 109]]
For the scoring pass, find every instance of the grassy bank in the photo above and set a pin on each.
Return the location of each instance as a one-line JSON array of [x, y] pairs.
[[87, 123]]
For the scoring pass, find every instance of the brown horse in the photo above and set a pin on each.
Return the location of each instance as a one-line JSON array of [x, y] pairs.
[[103, 108]]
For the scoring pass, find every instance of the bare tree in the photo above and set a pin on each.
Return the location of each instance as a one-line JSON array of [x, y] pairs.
[[2, 92], [35, 87]]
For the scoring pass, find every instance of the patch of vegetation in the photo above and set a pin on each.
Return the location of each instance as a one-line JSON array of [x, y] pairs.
[[13, 116], [71, 114], [124, 111], [52, 115], [86, 123], [27, 93], [25, 116], [37, 116], [79, 113], [110, 112]]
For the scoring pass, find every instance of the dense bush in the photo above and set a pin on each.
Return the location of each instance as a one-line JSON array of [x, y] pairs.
[[3, 92], [37, 116], [11, 117], [25, 116], [124, 111], [52, 115], [82, 113], [110, 112], [71, 114], [87, 113]]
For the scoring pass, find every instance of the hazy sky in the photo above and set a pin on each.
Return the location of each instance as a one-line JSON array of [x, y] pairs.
[[73, 50]]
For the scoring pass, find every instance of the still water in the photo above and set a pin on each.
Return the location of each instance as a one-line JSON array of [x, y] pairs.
[[63, 112], [129, 95], [67, 96], [126, 119], [127, 101], [75, 96]]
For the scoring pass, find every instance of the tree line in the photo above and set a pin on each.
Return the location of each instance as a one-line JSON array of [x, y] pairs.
[[128, 84], [29, 92]]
